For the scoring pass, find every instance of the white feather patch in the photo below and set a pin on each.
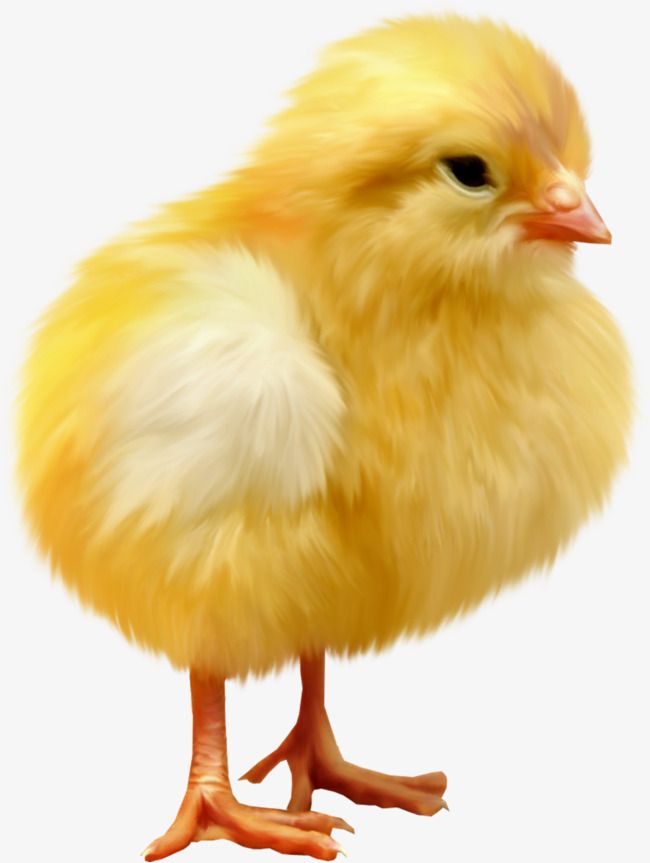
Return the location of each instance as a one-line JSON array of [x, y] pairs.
[[225, 398]]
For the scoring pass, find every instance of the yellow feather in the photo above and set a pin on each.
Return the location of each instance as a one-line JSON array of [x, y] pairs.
[[487, 394]]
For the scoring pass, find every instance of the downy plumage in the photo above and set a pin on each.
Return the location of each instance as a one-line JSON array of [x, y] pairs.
[[343, 395]]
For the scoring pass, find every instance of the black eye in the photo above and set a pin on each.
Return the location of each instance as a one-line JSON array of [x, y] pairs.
[[470, 171]]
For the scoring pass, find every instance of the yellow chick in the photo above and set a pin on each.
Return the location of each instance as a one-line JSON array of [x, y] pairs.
[[342, 396]]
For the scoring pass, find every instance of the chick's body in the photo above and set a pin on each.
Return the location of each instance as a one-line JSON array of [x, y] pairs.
[[301, 411]]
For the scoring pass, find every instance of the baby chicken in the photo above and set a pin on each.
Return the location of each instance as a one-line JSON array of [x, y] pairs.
[[342, 396]]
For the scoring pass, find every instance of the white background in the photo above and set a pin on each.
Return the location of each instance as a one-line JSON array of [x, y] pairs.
[[535, 705]]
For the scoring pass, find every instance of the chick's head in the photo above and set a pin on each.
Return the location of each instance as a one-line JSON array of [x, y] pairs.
[[443, 152]]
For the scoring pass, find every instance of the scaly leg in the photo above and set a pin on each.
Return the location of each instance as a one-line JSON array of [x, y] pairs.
[[315, 761], [210, 811]]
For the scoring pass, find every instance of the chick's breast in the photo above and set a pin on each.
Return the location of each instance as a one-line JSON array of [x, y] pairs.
[[178, 426], [502, 428]]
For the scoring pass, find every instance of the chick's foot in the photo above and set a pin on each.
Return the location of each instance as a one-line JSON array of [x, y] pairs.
[[315, 761], [208, 812], [209, 809]]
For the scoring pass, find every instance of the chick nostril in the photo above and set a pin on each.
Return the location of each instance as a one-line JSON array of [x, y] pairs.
[[563, 197]]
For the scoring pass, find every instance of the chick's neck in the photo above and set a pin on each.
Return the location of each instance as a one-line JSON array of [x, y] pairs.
[[368, 314]]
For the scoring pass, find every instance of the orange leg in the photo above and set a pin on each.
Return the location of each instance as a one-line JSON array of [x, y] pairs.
[[210, 811], [315, 761]]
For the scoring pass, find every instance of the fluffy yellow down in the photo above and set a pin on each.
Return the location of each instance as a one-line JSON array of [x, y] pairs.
[[330, 401]]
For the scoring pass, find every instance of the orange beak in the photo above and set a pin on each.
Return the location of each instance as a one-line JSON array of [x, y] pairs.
[[566, 213]]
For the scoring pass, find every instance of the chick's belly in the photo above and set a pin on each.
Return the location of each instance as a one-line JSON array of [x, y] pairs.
[[232, 594], [235, 592]]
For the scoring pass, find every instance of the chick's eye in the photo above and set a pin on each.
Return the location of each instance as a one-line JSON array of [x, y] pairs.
[[469, 171]]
